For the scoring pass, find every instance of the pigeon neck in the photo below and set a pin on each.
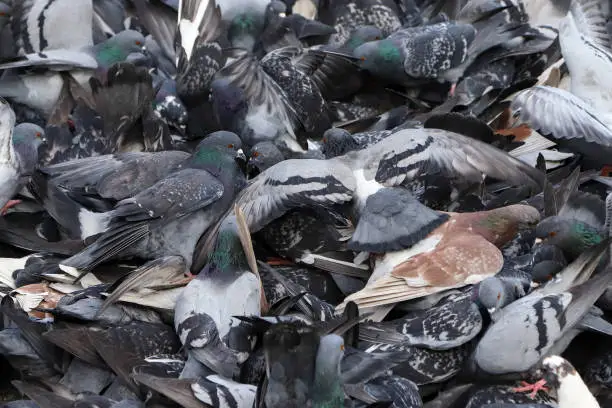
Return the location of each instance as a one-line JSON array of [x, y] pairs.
[[572, 392], [228, 252], [608, 222]]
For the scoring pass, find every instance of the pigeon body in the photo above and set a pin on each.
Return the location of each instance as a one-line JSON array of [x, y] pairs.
[[203, 302]]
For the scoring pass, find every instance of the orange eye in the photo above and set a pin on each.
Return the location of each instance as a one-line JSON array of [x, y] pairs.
[[38, 135], [255, 154], [498, 296], [342, 347], [138, 43], [377, 38], [231, 146], [324, 140], [362, 58], [552, 234]]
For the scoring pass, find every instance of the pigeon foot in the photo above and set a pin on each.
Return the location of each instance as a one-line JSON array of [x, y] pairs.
[[540, 385], [278, 262], [8, 205]]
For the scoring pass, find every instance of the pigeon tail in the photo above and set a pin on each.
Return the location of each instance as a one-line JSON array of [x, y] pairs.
[[79, 222]]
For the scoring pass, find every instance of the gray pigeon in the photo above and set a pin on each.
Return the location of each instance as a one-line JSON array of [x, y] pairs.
[[202, 315], [39, 25], [545, 321], [363, 177], [168, 217]]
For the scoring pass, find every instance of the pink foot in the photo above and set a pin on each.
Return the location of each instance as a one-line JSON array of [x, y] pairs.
[[452, 89], [534, 388], [8, 205]]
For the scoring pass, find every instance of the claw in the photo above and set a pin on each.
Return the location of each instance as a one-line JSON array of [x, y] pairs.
[[534, 388], [8, 205], [452, 89]]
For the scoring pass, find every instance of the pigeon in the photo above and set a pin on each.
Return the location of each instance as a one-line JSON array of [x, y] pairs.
[[554, 315], [585, 127], [98, 58], [209, 178], [274, 98], [563, 378], [262, 156], [415, 272], [200, 319], [412, 54]]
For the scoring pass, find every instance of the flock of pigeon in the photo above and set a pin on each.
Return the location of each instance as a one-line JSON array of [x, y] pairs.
[[305, 203]]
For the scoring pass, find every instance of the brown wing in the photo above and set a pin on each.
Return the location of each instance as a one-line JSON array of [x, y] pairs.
[[459, 260]]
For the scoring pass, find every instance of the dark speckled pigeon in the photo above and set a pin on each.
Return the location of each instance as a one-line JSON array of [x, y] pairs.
[[168, 217]]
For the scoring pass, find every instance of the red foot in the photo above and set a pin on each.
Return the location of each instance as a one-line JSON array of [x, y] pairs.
[[534, 388], [278, 262], [9, 204], [606, 170], [452, 89]]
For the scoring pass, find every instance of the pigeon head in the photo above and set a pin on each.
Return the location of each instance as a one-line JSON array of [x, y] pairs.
[[119, 47], [275, 9], [337, 142], [217, 152], [327, 390], [263, 156], [570, 235], [362, 35], [229, 102], [245, 28], [27, 138], [492, 294], [501, 225], [379, 56], [556, 369]]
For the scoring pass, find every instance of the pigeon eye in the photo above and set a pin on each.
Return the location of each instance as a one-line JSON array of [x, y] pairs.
[[362, 58], [324, 140], [38, 135], [231, 146], [552, 234], [377, 37], [255, 154], [342, 347], [498, 296], [139, 43]]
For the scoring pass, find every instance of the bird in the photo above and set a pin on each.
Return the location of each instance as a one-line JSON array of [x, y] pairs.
[[195, 197], [200, 317], [42, 91], [570, 297], [463, 250], [361, 175], [563, 378], [586, 124]]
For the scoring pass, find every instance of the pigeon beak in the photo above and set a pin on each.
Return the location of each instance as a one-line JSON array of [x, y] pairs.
[[538, 241], [240, 155], [491, 310]]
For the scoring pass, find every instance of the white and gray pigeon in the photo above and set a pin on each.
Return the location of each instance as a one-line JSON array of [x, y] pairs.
[[545, 321], [563, 378], [203, 316], [580, 119], [41, 91], [371, 180]]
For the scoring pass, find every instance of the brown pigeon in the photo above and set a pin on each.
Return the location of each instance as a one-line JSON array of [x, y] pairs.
[[462, 251]]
